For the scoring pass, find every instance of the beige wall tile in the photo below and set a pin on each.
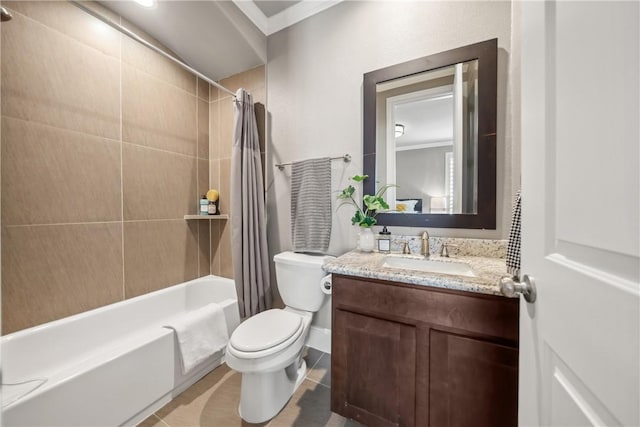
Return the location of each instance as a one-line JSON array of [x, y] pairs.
[[152, 63], [214, 93], [204, 248], [224, 250], [75, 23], [203, 129], [51, 175], [158, 254], [214, 174], [146, 36], [157, 184], [50, 272], [203, 90], [225, 186], [250, 80], [225, 125], [157, 114], [214, 130], [50, 78], [215, 245], [203, 177]]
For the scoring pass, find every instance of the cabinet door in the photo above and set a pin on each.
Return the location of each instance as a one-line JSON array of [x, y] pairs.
[[373, 371], [472, 382]]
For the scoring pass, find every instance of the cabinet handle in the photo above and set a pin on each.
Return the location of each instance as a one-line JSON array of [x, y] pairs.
[[510, 287]]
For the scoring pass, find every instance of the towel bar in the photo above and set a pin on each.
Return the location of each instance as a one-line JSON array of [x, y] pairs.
[[346, 158]]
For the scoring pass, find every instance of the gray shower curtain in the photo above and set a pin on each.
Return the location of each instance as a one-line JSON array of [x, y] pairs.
[[248, 223]]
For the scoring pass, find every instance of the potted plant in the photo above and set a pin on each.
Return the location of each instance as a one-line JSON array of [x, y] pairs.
[[365, 216]]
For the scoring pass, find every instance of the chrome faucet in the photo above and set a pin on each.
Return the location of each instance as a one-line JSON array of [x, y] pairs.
[[424, 251]]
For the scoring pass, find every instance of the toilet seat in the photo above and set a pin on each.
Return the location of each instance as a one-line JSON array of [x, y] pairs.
[[265, 333]]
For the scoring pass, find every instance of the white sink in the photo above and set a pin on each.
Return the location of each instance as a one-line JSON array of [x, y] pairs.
[[428, 265]]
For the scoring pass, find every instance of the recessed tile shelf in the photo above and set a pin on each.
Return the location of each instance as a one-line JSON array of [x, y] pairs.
[[221, 216]]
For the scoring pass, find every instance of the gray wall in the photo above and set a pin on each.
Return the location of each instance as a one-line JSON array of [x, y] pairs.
[[427, 164], [314, 95]]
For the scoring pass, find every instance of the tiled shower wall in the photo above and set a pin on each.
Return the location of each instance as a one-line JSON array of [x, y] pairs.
[[105, 146]]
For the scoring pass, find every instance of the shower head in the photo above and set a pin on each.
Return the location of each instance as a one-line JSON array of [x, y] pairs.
[[5, 15]]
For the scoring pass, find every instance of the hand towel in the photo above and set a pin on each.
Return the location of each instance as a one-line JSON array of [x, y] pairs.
[[311, 205], [513, 247], [200, 334]]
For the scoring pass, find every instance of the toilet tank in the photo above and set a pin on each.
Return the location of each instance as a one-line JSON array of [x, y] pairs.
[[298, 277]]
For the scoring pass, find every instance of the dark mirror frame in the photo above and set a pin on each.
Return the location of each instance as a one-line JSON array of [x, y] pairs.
[[487, 55]]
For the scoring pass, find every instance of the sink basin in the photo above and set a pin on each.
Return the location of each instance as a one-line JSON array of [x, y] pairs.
[[428, 266]]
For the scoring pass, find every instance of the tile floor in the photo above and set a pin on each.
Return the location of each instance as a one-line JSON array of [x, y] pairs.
[[213, 401]]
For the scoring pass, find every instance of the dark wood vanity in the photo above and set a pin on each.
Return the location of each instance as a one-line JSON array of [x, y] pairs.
[[413, 355], [434, 350]]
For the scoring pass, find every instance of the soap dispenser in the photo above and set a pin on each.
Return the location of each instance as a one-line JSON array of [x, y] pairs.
[[203, 205], [384, 241]]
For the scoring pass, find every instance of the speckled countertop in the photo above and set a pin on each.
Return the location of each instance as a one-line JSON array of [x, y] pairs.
[[488, 271]]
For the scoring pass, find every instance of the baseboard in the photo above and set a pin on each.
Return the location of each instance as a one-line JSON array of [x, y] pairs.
[[320, 339]]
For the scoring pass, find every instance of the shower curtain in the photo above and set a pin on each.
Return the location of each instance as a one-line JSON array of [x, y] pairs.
[[248, 223]]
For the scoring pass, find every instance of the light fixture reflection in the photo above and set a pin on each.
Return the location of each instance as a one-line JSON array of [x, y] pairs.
[[146, 3]]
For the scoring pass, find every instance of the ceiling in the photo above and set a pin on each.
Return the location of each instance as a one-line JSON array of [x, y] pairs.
[[425, 111], [270, 8], [217, 38], [428, 122], [273, 16]]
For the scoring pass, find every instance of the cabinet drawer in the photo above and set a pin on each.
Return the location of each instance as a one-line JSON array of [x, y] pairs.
[[481, 314]]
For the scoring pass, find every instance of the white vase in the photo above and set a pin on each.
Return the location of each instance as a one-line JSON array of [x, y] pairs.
[[366, 241]]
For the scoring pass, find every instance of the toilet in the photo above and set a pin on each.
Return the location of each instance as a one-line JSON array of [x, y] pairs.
[[267, 348]]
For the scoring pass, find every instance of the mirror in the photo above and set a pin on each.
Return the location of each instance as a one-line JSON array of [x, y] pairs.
[[430, 128]]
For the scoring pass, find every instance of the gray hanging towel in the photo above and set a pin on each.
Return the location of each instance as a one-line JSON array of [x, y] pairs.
[[311, 205], [513, 247]]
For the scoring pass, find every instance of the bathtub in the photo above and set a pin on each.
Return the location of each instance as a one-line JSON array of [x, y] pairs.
[[111, 366]]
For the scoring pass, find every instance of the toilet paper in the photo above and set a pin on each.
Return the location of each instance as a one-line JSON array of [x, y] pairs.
[[325, 284]]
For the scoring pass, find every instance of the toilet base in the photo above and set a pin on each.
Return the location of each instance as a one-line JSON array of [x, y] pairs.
[[264, 394]]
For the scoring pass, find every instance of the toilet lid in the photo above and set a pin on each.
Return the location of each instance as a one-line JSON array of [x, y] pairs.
[[265, 330]]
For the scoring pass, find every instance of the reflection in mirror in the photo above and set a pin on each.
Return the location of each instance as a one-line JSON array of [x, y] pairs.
[[426, 140], [429, 126]]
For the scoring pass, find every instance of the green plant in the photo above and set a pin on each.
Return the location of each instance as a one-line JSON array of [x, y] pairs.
[[364, 216]]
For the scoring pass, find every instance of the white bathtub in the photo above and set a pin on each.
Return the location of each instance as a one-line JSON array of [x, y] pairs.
[[111, 366]]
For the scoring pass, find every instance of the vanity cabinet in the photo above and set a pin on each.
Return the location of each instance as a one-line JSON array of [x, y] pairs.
[[411, 355]]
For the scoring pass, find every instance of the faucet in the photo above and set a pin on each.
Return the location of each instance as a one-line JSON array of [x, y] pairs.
[[425, 244]]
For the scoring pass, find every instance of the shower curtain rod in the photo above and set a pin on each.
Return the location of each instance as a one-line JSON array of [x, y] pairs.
[[139, 39]]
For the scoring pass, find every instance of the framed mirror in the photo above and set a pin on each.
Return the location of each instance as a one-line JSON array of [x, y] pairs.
[[430, 128]]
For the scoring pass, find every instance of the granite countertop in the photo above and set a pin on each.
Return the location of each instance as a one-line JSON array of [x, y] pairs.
[[488, 271]]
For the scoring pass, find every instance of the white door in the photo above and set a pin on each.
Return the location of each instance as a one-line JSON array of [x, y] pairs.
[[579, 342]]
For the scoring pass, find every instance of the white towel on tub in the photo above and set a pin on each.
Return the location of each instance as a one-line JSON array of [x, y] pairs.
[[200, 334]]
